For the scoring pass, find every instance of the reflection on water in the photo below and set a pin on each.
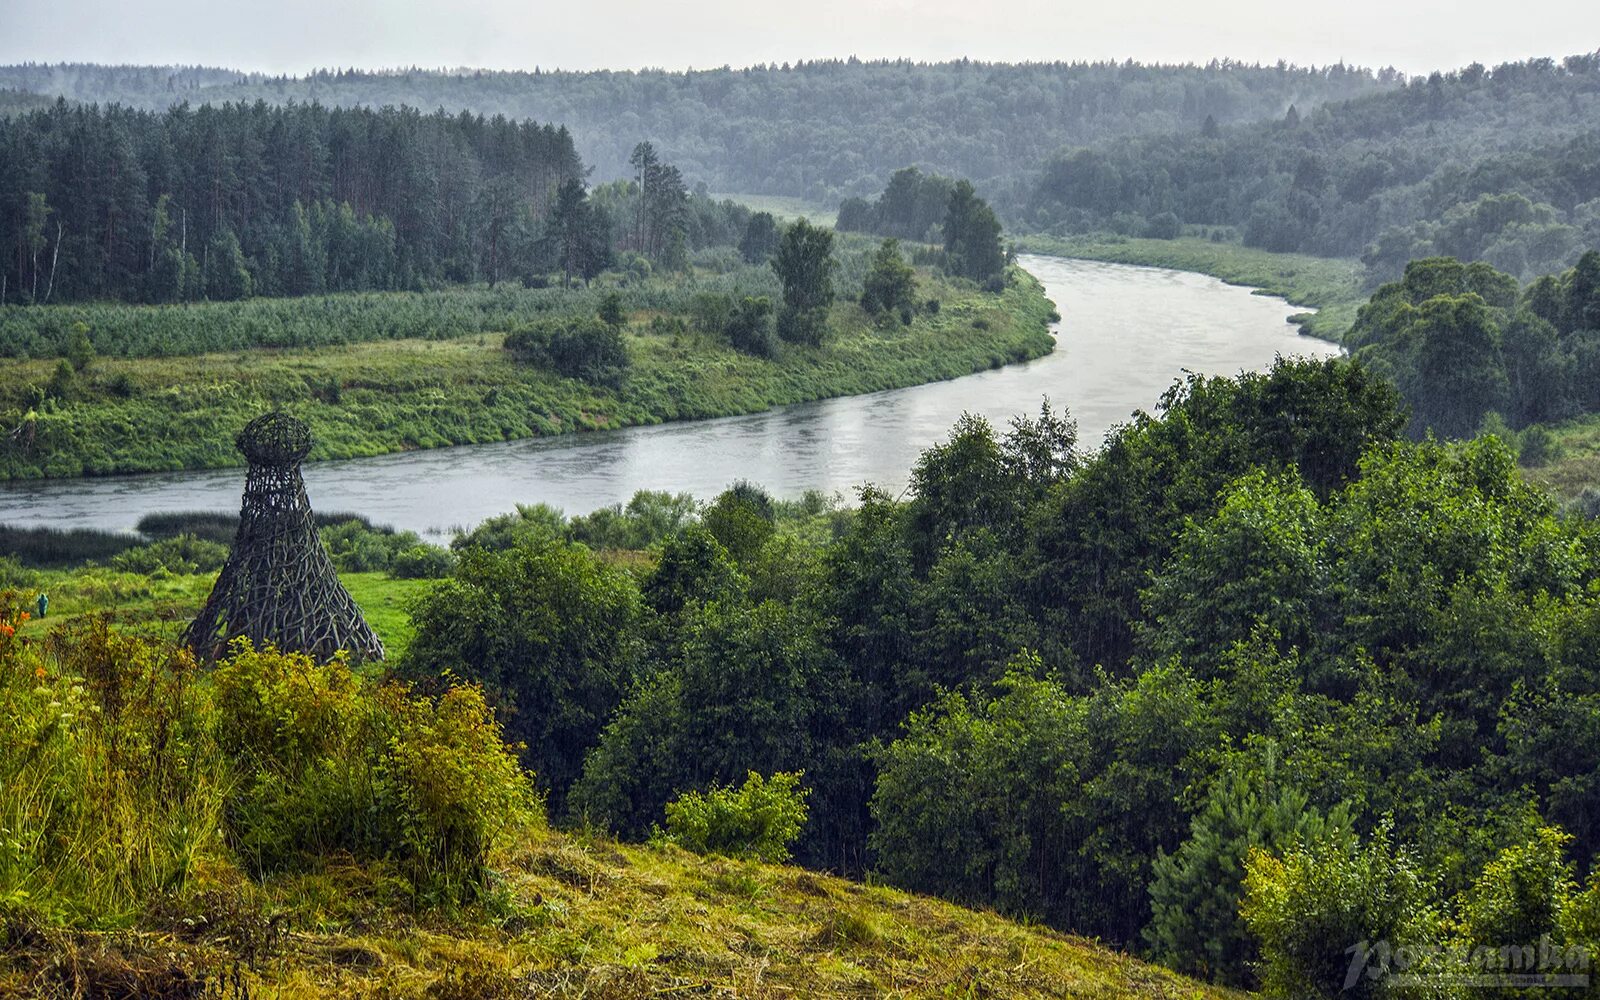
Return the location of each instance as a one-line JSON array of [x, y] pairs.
[[1126, 334]]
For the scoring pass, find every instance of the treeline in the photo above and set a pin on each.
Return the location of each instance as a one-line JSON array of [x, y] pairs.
[[226, 201], [1462, 341], [1256, 633], [933, 209], [229, 202], [1485, 164], [820, 129]]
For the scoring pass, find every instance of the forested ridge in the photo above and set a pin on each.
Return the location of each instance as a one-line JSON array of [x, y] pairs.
[[821, 129], [1494, 164]]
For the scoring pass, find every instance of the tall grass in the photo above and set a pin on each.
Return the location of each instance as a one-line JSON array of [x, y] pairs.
[[130, 780]]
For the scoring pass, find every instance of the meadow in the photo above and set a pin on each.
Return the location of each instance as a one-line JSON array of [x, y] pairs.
[[400, 377], [1332, 286]]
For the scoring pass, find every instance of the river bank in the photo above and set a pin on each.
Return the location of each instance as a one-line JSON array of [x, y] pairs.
[[380, 396], [1126, 334], [1331, 286]]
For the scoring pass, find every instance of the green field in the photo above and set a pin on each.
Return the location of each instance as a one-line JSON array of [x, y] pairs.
[[378, 395], [1332, 286], [162, 604], [784, 208]]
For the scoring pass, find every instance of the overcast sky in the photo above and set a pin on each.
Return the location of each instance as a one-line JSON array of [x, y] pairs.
[[297, 35]]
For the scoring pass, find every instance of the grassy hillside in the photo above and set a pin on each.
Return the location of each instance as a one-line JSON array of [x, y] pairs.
[[139, 414], [575, 916], [1330, 285]]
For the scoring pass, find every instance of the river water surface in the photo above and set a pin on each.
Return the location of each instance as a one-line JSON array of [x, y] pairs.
[[1126, 333]]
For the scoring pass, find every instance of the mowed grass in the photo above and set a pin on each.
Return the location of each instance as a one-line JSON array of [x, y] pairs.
[[163, 604], [1333, 286], [583, 916], [379, 396]]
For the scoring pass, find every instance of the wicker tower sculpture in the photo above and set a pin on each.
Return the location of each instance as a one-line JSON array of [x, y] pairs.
[[278, 585]]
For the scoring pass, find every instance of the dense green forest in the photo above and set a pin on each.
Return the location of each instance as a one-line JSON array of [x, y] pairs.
[[227, 201], [820, 129], [1462, 341], [1497, 165]]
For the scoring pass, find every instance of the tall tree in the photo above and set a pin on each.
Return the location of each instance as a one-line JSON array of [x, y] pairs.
[[972, 236], [804, 264]]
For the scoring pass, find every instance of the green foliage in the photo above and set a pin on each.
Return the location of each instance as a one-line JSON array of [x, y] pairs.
[[760, 820], [327, 762], [113, 788], [591, 350], [181, 554], [1194, 898], [749, 327], [548, 630], [760, 238], [805, 265], [611, 312], [890, 285], [80, 350], [740, 519], [972, 237], [1315, 904]]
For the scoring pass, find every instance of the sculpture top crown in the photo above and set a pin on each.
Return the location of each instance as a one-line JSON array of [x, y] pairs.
[[274, 439]]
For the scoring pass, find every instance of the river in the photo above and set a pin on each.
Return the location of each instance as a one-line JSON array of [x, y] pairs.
[[1126, 333]]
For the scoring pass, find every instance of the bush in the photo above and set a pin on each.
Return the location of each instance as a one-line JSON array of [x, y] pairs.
[[710, 311], [422, 562], [741, 519], [761, 820], [1537, 448], [1194, 925], [1310, 908], [749, 327], [184, 554], [1164, 226], [212, 526], [581, 348], [327, 762]]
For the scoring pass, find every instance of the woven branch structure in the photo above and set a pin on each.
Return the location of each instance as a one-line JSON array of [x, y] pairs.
[[278, 586]]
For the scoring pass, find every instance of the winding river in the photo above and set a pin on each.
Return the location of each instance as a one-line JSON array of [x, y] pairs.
[[1126, 334]]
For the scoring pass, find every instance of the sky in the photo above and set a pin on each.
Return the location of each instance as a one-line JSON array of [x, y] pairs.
[[294, 36]]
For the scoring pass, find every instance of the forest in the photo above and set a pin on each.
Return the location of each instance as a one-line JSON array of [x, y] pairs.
[[1482, 164], [820, 129]]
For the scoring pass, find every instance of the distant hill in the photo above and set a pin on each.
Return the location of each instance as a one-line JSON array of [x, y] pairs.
[[816, 129], [1500, 164]]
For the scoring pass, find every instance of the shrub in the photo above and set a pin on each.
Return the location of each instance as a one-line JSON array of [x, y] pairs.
[[1311, 907], [447, 782], [1194, 925], [749, 327], [710, 312], [761, 820], [1538, 447], [741, 519], [1164, 226], [183, 554], [581, 348], [52, 548], [422, 562], [328, 762]]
